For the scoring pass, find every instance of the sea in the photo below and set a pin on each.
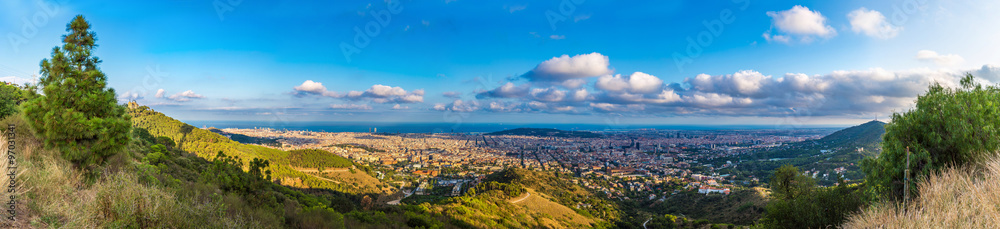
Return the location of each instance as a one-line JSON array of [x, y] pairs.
[[387, 127]]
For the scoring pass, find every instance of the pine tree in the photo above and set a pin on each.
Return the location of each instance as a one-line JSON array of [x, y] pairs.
[[77, 113]]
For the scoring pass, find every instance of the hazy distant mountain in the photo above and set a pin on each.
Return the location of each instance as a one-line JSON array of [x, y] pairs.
[[547, 132]]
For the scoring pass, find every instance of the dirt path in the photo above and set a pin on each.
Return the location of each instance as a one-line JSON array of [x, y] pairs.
[[396, 202], [519, 200], [313, 170], [324, 178]]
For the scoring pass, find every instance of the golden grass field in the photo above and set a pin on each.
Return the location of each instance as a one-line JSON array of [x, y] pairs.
[[538, 203], [955, 198]]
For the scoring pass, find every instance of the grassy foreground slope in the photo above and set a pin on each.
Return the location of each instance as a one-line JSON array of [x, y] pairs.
[[955, 198]]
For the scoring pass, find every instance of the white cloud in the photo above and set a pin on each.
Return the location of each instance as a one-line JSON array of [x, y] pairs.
[[377, 93], [608, 107], [580, 95], [16, 80], [988, 72], [129, 95], [310, 87], [399, 107], [160, 92], [548, 94], [943, 60], [564, 67], [744, 83], [350, 106], [638, 82], [508, 90], [452, 94], [458, 105], [387, 94], [800, 22], [515, 8], [185, 96], [872, 23]]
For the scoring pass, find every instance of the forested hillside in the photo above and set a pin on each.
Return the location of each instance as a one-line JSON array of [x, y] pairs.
[[207, 144]]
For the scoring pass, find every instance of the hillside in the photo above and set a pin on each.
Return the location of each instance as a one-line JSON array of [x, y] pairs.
[[843, 148], [867, 135], [559, 189], [207, 144], [547, 132], [517, 198]]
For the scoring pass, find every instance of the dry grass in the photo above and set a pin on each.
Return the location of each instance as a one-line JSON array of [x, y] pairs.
[[52, 194], [955, 198], [557, 214]]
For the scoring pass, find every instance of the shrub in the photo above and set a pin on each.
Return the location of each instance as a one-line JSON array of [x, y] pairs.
[[949, 127]]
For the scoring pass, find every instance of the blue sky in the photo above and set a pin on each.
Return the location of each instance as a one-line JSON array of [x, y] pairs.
[[650, 62]]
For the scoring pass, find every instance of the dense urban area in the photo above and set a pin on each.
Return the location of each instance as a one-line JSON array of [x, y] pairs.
[[620, 164]]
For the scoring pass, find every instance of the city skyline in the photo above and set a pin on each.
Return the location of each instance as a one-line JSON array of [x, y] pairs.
[[734, 62]]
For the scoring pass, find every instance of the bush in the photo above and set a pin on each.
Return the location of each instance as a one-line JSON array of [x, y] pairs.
[[796, 203], [949, 127], [10, 97]]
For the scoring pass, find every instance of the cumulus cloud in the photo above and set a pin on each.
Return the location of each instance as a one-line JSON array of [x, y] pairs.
[[387, 94], [310, 87], [638, 82], [17, 80], [988, 72], [864, 92], [743, 83], [129, 95], [872, 23], [943, 60], [160, 93], [562, 68], [377, 93], [452, 94], [399, 107], [551, 94], [350, 106], [458, 105], [508, 90], [185, 96], [799, 22]]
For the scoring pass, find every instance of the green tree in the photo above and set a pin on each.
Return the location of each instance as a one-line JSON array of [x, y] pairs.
[[77, 113], [10, 97], [789, 183], [165, 141], [949, 127], [797, 203]]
